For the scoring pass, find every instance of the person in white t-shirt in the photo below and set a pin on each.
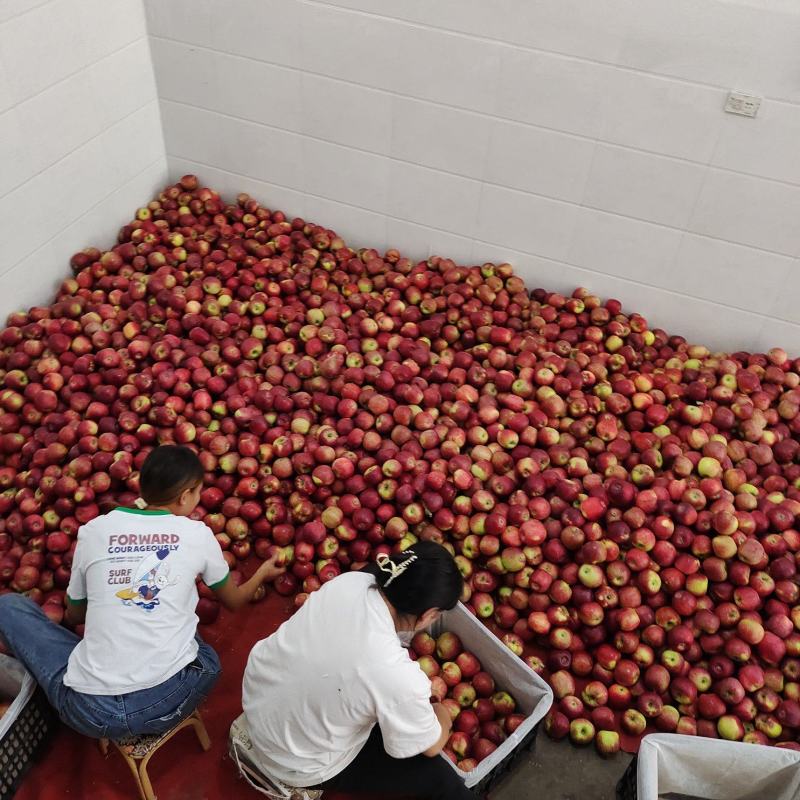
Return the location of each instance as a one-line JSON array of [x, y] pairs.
[[332, 700], [141, 667]]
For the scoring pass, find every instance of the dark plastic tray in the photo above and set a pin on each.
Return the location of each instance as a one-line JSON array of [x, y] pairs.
[[509, 762], [626, 786], [534, 697], [23, 741]]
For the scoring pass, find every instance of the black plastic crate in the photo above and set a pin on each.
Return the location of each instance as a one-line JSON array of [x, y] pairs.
[[626, 786], [509, 763], [534, 697], [23, 742]]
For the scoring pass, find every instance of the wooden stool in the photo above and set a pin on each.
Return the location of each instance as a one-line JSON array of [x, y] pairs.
[[138, 750]]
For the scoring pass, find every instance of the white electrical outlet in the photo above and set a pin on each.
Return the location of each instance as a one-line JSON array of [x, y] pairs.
[[746, 105]]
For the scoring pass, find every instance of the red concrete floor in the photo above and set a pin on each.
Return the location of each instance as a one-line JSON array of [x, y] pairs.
[[73, 767]]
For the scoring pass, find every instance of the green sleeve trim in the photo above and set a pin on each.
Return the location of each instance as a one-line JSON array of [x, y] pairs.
[[149, 512], [76, 602], [219, 584]]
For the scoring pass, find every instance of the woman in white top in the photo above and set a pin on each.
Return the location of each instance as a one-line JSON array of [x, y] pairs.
[[332, 699]]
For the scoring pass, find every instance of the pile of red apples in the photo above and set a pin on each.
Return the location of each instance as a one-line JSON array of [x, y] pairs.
[[483, 716], [623, 505]]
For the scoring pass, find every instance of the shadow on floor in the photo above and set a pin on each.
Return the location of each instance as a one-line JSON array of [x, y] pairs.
[[561, 771]]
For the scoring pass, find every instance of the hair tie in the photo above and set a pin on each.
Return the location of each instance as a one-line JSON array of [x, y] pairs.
[[385, 564]]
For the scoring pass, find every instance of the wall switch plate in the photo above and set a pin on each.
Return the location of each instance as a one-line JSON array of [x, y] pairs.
[[745, 105]]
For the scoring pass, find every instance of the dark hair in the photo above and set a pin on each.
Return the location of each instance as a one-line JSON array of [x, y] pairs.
[[430, 579], [167, 472]]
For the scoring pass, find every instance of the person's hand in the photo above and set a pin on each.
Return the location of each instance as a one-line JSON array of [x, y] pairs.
[[443, 715], [274, 566], [259, 594]]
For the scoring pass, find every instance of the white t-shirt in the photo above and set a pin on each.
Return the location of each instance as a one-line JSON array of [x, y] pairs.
[[314, 689], [137, 569]]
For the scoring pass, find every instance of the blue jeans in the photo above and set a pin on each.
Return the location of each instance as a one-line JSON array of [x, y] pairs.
[[44, 649]]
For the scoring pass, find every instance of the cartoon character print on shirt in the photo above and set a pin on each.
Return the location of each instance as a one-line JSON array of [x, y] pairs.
[[150, 578]]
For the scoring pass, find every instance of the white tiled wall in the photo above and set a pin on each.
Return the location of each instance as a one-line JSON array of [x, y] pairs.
[[81, 145], [584, 141]]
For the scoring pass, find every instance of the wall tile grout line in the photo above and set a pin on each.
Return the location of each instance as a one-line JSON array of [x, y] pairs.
[[85, 213], [26, 11], [485, 114], [697, 199], [525, 48], [81, 138], [80, 146], [75, 73], [600, 275], [483, 182]]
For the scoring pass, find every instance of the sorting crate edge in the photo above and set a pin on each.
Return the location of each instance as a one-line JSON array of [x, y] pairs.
[[471, 627], [23, 742], [627, 788]]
